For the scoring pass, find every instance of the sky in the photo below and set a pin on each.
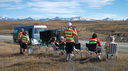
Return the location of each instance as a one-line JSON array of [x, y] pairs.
[[94, 9]]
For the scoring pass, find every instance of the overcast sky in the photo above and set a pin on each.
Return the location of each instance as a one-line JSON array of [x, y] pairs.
[[96, 9]]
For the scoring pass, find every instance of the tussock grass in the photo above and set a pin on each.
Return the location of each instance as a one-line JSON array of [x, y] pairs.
[[85, 28], [11, 60]]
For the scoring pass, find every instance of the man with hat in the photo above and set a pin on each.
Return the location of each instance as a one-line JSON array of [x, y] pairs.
[[69, 34]]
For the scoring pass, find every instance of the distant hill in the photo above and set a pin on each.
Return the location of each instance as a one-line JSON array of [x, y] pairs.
[[78, 18]]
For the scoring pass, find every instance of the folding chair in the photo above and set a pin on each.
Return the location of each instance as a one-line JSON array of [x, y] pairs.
[[35, 43], [47, 45], [91, 48], [55, 49], [113, 49], [62, 47], [78, 47], [41, 44]]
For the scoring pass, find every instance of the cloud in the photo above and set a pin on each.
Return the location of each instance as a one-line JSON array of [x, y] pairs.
[[57, 7], [11, 8], [16, 1], [99, 3], [4, 5], [55, 10], [88, 3], [62, 15], [47, 4], [54, 7], [57, 4]]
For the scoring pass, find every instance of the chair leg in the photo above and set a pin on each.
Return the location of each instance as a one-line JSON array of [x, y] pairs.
[[81, 54], [106, 57], [111, 57], [64, 52], [39, 47]]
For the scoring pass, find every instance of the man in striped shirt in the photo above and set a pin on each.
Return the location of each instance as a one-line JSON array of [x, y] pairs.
[[69, 34]]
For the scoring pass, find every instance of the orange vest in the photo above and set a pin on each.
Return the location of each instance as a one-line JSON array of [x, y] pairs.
[[69, 35], [107, 47], [19, 36], [24, 39], [93, 41]]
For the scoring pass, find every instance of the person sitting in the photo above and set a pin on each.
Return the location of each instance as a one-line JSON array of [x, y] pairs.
[[95, 40], [54, 44], [62, 40], [111, 41]]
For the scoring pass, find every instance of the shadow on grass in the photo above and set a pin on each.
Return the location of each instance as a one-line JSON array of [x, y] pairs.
[[11, 55], [44, 55], [30, 63], [91, 60]]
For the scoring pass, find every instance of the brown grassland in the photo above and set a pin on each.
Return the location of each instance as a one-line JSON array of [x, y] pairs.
[[85, 28], [11, 60]]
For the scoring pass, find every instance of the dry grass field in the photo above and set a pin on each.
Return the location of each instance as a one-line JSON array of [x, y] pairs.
[[85, 28], [10, 60]]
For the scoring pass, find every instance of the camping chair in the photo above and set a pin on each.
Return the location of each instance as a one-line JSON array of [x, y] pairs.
[[91, 49], [62, 47], [44, 44], [47, 45], [55, 49], [78, 47], [35, 43], [41, 44], [113, 49]]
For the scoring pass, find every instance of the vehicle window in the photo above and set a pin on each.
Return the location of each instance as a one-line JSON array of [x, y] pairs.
[[15, 31], [37, 30]]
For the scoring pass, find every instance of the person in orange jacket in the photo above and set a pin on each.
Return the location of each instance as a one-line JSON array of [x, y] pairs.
[[95, 40], [19, 39], [25, 42], [69, 34]]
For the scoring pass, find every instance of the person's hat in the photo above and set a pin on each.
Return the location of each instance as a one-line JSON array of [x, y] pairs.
[[69, 24], [112, 38], [26, 32], [61, 37]]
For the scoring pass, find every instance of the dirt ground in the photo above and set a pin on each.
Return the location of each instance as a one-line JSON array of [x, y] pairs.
[[11, 60], [85, 28]]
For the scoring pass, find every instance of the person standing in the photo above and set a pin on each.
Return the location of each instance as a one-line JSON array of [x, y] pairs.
[[19, 39], [69, 34], [25, 41], [95, 40]]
